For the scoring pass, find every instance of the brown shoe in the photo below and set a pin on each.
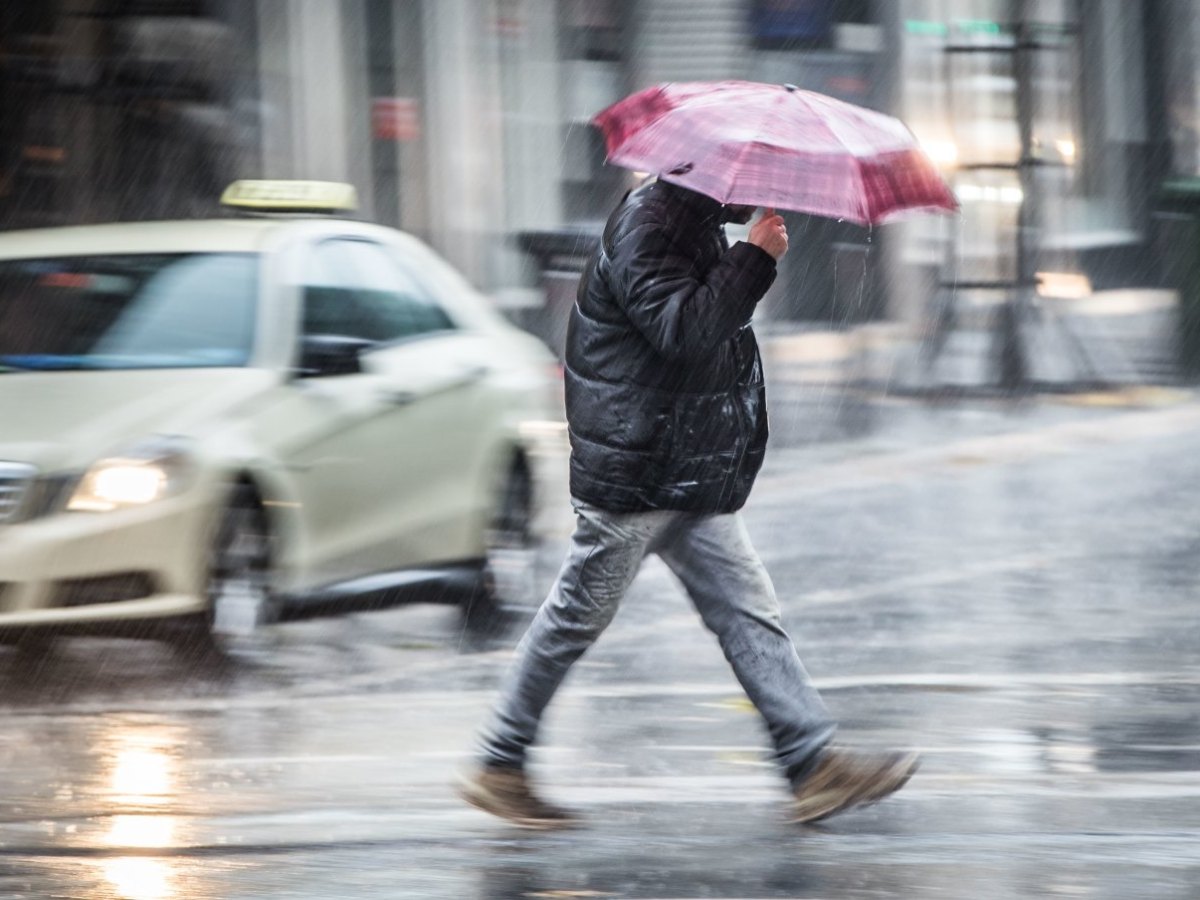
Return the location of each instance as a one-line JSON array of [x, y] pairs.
[[844, 779], [507, 793]]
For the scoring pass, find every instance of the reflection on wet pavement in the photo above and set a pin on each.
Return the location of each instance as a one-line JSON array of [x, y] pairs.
[[1027, 621]]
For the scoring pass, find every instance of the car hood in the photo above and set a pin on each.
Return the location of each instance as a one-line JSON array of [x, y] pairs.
[[67, 420]]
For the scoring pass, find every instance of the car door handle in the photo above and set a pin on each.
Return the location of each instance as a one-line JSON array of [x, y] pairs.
[[470, 375], [402, 397], [399, 398]]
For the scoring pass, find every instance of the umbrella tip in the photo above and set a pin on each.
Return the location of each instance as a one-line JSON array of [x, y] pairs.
[[790, 88]]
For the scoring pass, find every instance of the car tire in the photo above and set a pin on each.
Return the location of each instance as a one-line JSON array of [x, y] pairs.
[[241, 600], [508, 580]]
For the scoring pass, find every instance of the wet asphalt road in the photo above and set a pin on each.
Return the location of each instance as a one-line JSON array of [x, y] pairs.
[[1012, 590]]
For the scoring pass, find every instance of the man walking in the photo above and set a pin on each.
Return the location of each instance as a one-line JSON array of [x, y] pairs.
[[667, 413]]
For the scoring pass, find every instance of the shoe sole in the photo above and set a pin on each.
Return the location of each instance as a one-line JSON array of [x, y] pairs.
[[483, 799], [889, 783]]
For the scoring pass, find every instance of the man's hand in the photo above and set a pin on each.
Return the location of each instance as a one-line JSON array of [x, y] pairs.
[[770, 233]]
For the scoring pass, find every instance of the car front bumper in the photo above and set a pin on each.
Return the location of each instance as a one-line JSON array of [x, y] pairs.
[[69, 569]]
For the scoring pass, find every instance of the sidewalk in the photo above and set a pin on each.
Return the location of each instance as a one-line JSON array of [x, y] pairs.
[[1111, 340]]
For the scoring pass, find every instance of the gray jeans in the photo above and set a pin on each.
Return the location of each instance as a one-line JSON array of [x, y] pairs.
[[713, 558]]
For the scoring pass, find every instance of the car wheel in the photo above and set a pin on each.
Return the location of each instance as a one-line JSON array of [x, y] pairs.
[[509, 577], [241, 602]]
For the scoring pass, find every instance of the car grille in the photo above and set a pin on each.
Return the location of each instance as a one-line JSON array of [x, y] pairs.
[[15, 479], [47, 494]]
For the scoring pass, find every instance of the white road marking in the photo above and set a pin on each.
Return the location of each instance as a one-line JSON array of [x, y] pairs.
[[472, 700]]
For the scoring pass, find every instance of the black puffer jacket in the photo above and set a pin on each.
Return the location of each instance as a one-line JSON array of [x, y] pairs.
[[665, 396]]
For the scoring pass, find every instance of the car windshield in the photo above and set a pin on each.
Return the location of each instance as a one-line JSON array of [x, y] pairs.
[[136, 311]]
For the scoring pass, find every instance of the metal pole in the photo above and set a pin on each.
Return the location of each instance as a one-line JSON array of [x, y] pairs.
[[1012, 361]]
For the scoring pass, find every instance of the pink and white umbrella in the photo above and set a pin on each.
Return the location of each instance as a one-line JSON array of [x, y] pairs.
[[773, 145]]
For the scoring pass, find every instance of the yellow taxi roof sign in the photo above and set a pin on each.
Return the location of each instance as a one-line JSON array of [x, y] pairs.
[[290, 196]]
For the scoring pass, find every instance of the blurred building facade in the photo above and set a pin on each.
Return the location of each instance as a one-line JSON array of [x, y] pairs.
[[114, 110], [465, 121]]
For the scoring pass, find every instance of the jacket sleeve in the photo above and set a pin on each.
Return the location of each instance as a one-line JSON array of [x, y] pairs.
[[684, 313]]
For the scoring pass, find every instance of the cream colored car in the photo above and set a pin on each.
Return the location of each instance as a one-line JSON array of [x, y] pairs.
[[223, 423]]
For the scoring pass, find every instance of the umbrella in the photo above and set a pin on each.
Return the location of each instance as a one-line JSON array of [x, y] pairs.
[[772, 145]]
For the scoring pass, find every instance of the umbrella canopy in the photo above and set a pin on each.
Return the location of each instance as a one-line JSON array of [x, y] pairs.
[[773, 145]]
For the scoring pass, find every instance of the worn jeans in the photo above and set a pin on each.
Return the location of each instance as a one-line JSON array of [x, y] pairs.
[[713, 558]]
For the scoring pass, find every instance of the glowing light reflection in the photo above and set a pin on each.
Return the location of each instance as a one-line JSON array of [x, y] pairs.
[[142, 775], [142, 772], [141, 831], [134, 878]]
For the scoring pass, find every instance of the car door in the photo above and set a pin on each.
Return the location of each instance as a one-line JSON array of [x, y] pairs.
[[373, 468]]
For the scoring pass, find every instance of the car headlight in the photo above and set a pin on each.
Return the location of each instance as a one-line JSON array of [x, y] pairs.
[[144, 473]]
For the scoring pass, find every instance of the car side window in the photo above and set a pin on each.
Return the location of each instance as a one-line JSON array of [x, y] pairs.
[[352, 288]]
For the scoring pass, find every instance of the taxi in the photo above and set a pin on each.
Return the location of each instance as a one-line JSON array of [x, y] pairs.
[[219, 424]]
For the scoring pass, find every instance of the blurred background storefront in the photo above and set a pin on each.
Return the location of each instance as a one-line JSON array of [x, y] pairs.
[[465, 122], [112, 110]]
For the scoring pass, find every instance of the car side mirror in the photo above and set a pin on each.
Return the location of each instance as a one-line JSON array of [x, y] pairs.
[[323, 355]]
